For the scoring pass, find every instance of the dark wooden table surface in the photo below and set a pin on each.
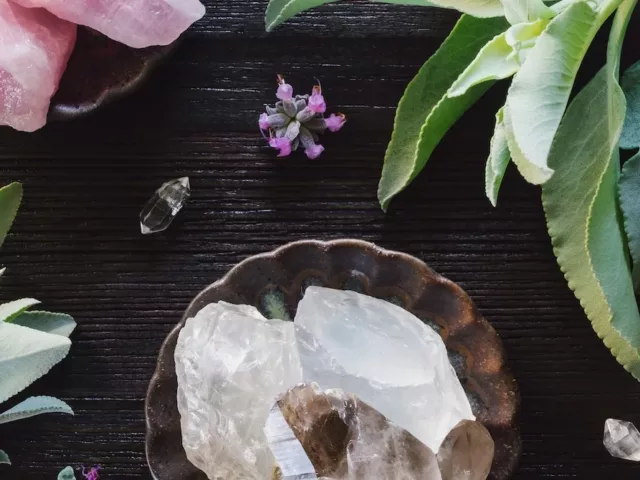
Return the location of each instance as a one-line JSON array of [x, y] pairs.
[[76, 244]]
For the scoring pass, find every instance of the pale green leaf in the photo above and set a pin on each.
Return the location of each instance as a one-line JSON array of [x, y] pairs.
[[498, 160], [500, 58], [279, 11], [540, 90], [425, 113], [4, 458], [10, 310], [629, 191], [580, 202], [523, 11], [57, 323], [33, 406], [26, 355], [630, 138], [10, 198], [67, 473]]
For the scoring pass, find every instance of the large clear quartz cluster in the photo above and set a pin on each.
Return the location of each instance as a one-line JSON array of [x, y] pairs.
[[353, 383]]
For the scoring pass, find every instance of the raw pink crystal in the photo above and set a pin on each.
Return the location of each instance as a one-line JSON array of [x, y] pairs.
[[34, 49], [139, 23]]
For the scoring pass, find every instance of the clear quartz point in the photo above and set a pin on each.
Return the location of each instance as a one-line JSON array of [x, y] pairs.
[[165, 204], [622, 439]]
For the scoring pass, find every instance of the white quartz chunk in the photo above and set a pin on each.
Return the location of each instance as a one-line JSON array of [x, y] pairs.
[[385, 356], [231, 363]]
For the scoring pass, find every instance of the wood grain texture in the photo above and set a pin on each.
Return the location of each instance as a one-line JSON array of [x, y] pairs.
[[76, 243]]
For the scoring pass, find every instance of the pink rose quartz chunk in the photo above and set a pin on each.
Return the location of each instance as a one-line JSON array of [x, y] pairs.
[[34, 49], [136, 23]]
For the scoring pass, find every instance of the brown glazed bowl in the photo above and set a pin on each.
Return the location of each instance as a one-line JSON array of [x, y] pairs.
[[274, 282], [101, 70]]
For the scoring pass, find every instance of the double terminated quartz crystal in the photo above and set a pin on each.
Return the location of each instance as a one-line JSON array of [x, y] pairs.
[[165, 204], [622, 439], [232, 364]]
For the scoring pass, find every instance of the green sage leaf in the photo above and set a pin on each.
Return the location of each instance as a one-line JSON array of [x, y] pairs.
[[500, 58], [523, 11], [279, 11], [425, 112], [630, 138], [67, 473], [26, 355], [4, 458], [540, 90], [33, 406], [629, 191], [10, 198], [10, 310], [498, 160], [580, 203], [56, 323]]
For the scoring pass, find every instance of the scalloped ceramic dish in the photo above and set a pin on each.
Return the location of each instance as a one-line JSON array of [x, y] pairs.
[[101, 70], [274, 282]]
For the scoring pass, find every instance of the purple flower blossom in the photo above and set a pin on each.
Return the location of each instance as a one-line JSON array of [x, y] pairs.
[[282, 144], [335, 122], [264, 121], [92, 474], [296, 122], [316, 102], [285, 91], [314, 151]]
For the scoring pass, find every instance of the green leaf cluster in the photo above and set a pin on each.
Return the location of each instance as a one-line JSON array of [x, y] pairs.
[[31, 342], [572, 150]]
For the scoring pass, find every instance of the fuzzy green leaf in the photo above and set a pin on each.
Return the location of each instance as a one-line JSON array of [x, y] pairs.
[[10, 310], [33, 406], [67, 473], [630, 138], [580, 202], [523, 11], [26, 355], [540, 90], [425, 113], [57, 323], [500, 58], [279, 11], [629, 191], [10, 198], [4, 458], [498, 160]]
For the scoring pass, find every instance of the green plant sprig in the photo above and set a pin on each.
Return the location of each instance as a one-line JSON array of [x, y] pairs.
[[31, 342]]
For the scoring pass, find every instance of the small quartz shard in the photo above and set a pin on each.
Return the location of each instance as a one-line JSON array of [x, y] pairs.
[[622, 439], [346, 439], [231, 364], [466, 453], [385, 356], [165, 204]]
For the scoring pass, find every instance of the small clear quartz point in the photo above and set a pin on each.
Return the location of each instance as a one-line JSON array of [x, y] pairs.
[[622, 439], [165, 204]]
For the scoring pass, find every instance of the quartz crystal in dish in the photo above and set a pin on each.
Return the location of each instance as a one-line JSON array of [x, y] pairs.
[[138, 24], [383, 354], [343, 438], [231, 364], [34, 49]]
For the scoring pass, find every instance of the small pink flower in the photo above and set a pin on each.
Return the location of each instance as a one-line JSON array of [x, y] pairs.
[[264, 122], [285, 91], [316, 101], [282, 144], [335, 122], [314, 151], [92, 474]]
